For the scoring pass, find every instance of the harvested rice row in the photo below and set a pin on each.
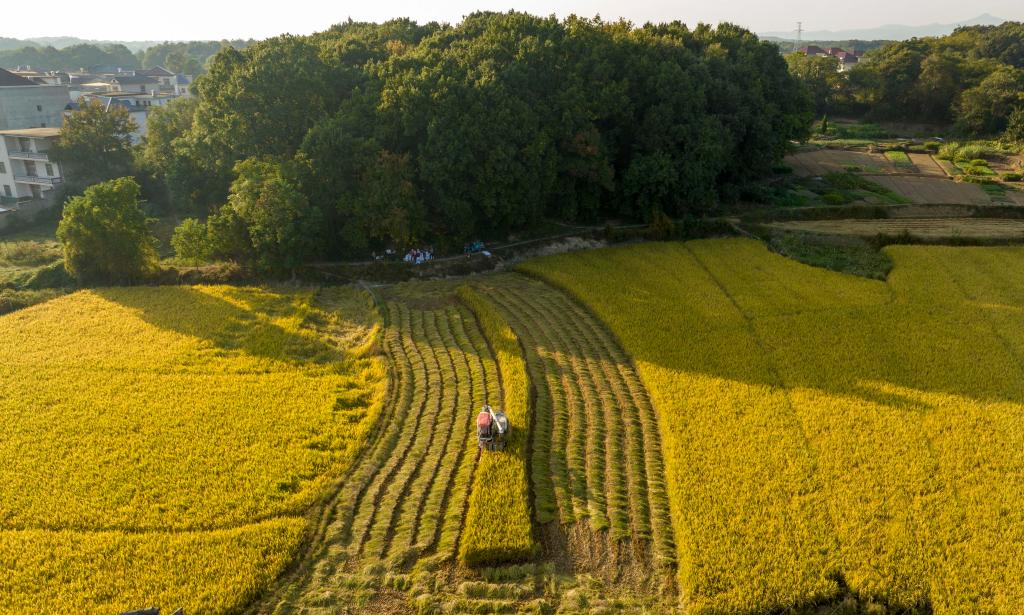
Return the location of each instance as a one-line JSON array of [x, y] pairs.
[[429, 448], [498, 521]]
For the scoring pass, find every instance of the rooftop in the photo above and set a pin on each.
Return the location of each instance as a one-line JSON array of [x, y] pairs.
[[7, 78], [38, 133]]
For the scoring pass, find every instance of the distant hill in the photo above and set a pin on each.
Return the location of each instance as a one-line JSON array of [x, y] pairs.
[[61, 42], [788, 45], [891, 32], [14, 43]]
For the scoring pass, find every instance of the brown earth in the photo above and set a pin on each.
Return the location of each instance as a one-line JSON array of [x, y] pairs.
[[934, 191], [925, 228], [825, 161]]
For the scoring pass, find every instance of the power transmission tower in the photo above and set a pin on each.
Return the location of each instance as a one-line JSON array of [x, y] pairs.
[[799, 35]]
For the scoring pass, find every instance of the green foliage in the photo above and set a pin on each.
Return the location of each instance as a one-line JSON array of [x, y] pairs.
[[28, 253], [94, 145], [853, 256], [1015, 126], [821, 79], [972, 77], [267, 221], [186, 57], [404, 134], [74, 57], [898, 158], [835, 198], [1012, 177], [661, 227], [104, 234], [190, 241], [11, 300], [985, 108]]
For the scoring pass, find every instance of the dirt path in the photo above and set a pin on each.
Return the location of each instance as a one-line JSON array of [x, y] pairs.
[[925, 228]]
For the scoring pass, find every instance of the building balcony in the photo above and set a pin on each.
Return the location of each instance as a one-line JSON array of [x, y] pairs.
[[38, 180], [24, 155]]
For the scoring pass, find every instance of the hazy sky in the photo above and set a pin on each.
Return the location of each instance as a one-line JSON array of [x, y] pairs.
[[216, 19]]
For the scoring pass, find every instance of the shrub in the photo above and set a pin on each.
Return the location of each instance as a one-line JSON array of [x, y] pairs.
[[104, 234], [1012, 177], [54, 275], [29, 253], [835, 198], [932, 146], [661, 227], [947, 151], [971, 151], [11, 300], [978, 162]]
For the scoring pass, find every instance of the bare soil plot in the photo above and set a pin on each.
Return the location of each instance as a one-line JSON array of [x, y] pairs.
[[1016, 196], [825, 161], [934, 191], [927, 166], [926, 228]]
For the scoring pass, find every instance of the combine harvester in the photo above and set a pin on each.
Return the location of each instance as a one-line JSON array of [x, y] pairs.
[[492, 429]]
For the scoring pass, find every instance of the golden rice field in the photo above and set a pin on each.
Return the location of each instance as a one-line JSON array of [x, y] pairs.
[[826, 434], [165, 446]]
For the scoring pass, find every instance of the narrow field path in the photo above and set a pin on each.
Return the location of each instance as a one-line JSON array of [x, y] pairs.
[[596, 452]]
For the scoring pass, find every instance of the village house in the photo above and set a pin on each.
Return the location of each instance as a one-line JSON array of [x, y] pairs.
[[847, 59]]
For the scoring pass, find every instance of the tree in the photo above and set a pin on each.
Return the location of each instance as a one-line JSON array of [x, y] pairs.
[[105, 236], [94, 145], [1015, 126], [985, 109], [821, 77], [165, 154], [266, 220], [179, 62], [190, 241]]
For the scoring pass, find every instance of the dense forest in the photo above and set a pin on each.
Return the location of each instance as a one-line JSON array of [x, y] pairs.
[[973, 78], [369, 135]]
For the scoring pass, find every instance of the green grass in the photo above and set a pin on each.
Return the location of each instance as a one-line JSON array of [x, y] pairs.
[[900, 159], [853, 256]]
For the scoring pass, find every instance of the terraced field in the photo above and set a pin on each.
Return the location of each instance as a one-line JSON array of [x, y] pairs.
[[596, 453]]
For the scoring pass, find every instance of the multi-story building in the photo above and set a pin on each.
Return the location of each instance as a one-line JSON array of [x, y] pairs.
[[28, 178], [26, 104], [31, 115]]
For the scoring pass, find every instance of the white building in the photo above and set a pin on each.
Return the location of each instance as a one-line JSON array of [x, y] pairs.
[[27, 175]]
